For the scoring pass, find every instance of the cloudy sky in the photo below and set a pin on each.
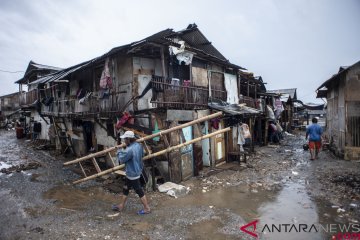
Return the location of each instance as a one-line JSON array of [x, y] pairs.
[[290, 43]]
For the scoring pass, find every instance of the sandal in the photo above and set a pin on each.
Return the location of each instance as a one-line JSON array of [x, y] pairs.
[[115, 208], [143, 212]]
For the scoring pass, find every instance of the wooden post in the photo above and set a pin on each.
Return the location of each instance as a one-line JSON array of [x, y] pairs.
[[248, 88], [145, 138], [163, 62]]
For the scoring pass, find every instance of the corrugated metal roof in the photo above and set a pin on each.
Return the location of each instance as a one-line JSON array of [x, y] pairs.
[[233, 109], [63, 73], [196, 39], [36, 67], [291, 92]]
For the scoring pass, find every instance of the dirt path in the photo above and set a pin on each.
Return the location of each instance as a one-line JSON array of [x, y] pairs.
[[40, 203]]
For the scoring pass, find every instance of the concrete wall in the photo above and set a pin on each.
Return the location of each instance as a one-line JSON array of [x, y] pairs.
[[44, 126], [102, 137]]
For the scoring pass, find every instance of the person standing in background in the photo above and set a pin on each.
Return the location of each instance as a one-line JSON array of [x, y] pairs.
[[314, 132]]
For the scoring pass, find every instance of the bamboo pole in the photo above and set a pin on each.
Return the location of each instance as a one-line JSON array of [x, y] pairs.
[[153, 155], [214, 115], [100, 174]]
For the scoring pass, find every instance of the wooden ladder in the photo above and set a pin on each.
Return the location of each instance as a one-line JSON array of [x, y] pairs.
[[64, 138]]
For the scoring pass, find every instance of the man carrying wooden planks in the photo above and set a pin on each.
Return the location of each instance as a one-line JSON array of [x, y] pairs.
[[132, 158]]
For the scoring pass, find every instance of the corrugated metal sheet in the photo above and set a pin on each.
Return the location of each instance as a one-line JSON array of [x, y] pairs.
[[62, 74], [233, 109], [34, 67], [291, 92]]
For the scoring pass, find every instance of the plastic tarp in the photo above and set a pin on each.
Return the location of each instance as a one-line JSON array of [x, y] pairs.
[[231, 88]]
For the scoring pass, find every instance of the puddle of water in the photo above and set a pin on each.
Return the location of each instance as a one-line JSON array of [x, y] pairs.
[[5, 165], [239, 200], [291, 205], [69, 197]]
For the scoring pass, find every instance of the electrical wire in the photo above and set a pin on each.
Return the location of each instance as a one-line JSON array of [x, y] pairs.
[[5, 71]]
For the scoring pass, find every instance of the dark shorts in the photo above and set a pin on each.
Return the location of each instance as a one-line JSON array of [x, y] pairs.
[[133, 184], [314, 145]]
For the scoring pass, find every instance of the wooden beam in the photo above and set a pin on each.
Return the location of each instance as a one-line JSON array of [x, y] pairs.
[[82, 169], [96, 165], [111, 158], [163, 61]]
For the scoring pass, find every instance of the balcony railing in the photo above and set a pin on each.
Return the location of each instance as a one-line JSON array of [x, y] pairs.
[[168, 93], [91, 105], [28, 98], [250, 102]]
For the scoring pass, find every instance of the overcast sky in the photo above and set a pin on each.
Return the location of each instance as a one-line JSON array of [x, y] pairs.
[[290, 43]]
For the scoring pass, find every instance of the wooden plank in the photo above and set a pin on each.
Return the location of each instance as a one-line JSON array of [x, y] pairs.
[[145, 138], [147, 149], [197, 130], [82, 169], [111, 158], [96, 165], [166, 141]]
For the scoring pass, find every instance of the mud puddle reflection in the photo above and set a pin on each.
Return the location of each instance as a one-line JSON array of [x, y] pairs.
[[290, 205]]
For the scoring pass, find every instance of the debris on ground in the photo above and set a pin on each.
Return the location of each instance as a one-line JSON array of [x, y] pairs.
[[21, 167], [173, 189]]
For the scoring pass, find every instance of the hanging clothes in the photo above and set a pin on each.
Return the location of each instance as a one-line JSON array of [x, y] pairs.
[[279, 108], [105, 79], [215, 123], [270, 112], [88, 129], [84, 99], [124, 119], [246, 130], [241, 138]]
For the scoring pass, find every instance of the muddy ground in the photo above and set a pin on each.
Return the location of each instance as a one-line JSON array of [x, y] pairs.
[[277, 185]]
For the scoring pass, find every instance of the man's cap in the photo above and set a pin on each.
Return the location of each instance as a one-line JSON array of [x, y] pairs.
[[128, 134]]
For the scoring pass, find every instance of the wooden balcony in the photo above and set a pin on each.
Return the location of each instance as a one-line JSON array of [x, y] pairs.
[[90, 106], [181, 94], [28, 98]]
